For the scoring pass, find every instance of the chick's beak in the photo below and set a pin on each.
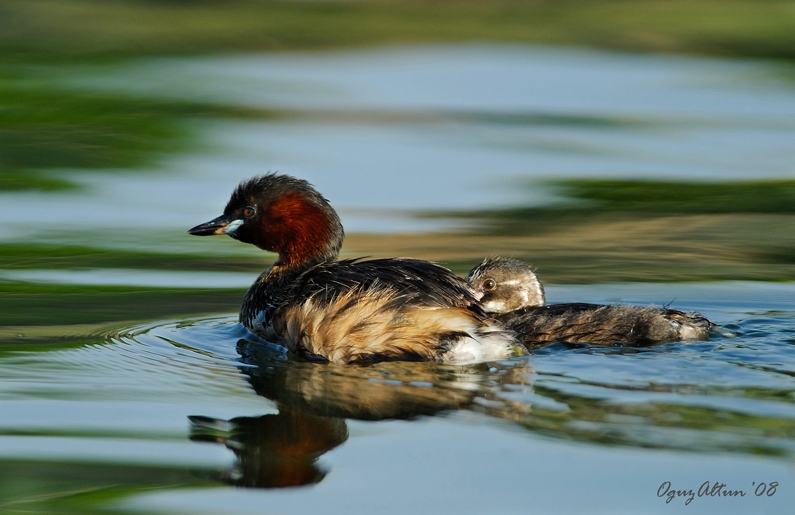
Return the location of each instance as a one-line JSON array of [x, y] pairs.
[[224, 224]]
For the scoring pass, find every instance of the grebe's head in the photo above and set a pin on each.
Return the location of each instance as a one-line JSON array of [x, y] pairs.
[[281, 214], [505, 284]]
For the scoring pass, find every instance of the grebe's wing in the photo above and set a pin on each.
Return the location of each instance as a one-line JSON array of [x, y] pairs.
[[412, 280]]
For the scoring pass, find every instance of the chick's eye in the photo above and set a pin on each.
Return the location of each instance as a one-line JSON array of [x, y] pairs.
[[489, 284], [248, 212]]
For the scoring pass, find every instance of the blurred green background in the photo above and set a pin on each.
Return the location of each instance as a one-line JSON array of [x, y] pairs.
[[600, 230], [80, 29]]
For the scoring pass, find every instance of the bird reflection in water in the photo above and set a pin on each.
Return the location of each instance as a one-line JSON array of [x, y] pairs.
[[282, 450], [276, 450]]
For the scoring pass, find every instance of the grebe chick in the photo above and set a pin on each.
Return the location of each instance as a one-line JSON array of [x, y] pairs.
[[501, 281], [349, 311], [506, 284]]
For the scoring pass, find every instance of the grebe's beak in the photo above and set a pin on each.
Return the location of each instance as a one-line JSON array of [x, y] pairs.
[[224, 224]]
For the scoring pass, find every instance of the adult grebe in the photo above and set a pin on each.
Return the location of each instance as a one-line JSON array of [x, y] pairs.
[[349, 311]]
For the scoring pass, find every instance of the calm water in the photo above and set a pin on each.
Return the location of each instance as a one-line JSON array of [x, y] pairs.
[[195, 415]]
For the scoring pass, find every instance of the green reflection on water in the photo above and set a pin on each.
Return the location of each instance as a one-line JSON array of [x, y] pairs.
[[63, 487], [48, 256], [47, 128], [669, 197], [42, 305], [616, 199]]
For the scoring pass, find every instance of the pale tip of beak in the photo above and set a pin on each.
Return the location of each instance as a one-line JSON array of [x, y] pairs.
[[232, 227]]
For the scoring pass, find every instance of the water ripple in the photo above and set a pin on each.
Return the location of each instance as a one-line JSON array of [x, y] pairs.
[[159, 360]]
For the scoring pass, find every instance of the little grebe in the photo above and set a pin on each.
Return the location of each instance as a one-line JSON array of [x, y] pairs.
[[348, 311], [513, 295]]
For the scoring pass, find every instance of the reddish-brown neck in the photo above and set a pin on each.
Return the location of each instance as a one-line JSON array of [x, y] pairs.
[[299, 231]]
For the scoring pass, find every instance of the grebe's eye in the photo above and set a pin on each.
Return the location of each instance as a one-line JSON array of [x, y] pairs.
[[489, 284], [249, 212]]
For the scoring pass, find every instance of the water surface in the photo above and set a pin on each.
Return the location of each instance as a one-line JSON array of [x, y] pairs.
[[568, 429]]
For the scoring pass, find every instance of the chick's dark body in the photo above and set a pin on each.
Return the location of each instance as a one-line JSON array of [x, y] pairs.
[[598, 324]]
